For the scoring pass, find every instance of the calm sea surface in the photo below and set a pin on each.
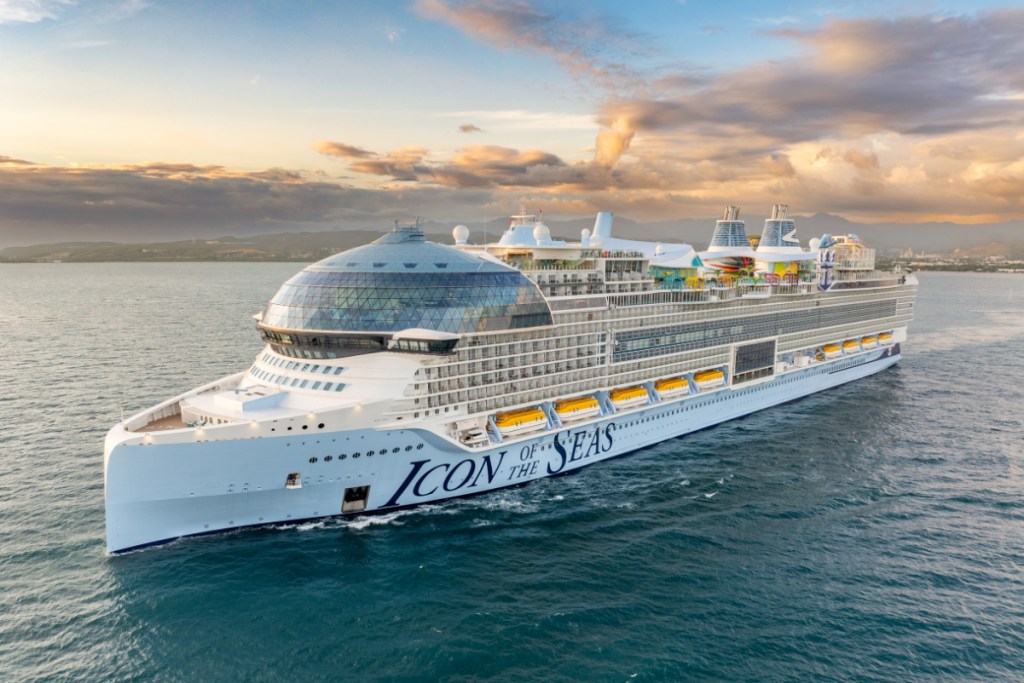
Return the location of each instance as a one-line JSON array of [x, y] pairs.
[[874, 532]]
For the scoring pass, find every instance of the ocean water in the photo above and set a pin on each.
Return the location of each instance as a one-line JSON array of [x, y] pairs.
[[874, 532]]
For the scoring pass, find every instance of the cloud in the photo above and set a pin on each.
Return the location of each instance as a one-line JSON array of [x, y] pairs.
[[777, 21], [404, 164], [520, 119], [931, 74], [613, 142], [593, 46], [14, 162], [470, 128], [864, 162], [30, 11], [341, 150], [165, 200], [86, 44], [844, 118], [474, 166]]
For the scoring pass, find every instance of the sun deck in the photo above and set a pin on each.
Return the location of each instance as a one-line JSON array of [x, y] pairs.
[[163, 424]]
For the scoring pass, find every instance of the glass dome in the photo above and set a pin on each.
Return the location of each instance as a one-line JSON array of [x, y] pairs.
[[401, 281]]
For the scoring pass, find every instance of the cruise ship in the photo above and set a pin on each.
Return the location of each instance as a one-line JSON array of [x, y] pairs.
[[406, 372]]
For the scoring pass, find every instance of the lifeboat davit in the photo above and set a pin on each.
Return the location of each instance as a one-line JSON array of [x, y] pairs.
[[885, 339], [831, 350], [674, 386], [868, 343], [628, 396], [851, 346], [577, 408], [709, 379], [519, 421]]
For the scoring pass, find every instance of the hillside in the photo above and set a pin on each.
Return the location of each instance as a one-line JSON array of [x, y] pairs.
[[972, 241]]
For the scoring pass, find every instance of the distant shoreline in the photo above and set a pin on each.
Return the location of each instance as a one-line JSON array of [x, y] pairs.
[[887, 265]]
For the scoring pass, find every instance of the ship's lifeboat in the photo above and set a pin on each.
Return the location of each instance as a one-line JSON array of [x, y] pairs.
[[472, 437], [851, 346], [628, 396], [709, 379], [519, 421], [831, 350], [674, 386], [577, 408], [868, 343], [885, 339]]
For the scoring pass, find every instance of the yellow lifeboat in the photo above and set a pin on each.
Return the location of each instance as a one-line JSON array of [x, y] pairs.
[[851, 346], [885, 339], [868, 342], [577, 408], [831, 350], [709, 379], [674, 386], [519, 421], [628, 396]]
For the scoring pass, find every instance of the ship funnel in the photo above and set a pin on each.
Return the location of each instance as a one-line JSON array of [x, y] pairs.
[[603, 224], [779, 231], [729, 231]]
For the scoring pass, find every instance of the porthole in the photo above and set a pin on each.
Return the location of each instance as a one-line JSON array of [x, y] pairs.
[[289, 429], [355, 455], [408, 448], [395, 450], [305, 426], [369, 454], [328, 458], [313, 459], [342, 456], [419, 446], [321, 425]]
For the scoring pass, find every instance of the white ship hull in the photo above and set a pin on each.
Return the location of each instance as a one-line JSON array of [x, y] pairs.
[[159, 492]]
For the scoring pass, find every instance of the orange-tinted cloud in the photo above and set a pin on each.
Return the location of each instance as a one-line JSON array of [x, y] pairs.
[[594, 46], [341, 150]]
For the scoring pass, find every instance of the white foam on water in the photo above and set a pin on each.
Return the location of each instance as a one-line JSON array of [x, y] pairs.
[[366, 521], [1003, 326]]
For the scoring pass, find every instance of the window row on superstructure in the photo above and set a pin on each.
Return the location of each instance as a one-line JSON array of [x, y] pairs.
[[529, 376]]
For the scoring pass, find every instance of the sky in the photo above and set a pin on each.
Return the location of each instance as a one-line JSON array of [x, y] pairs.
[[136, 119]]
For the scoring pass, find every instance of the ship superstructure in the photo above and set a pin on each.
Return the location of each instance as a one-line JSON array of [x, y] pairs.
[[404, 371]]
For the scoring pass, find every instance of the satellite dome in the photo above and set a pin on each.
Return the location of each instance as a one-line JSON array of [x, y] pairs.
[[814, 243], [659, 250], [461, 234], [541, 233]]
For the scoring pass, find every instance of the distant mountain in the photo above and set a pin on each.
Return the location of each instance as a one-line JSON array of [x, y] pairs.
[[302, 246], [310, 246]]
